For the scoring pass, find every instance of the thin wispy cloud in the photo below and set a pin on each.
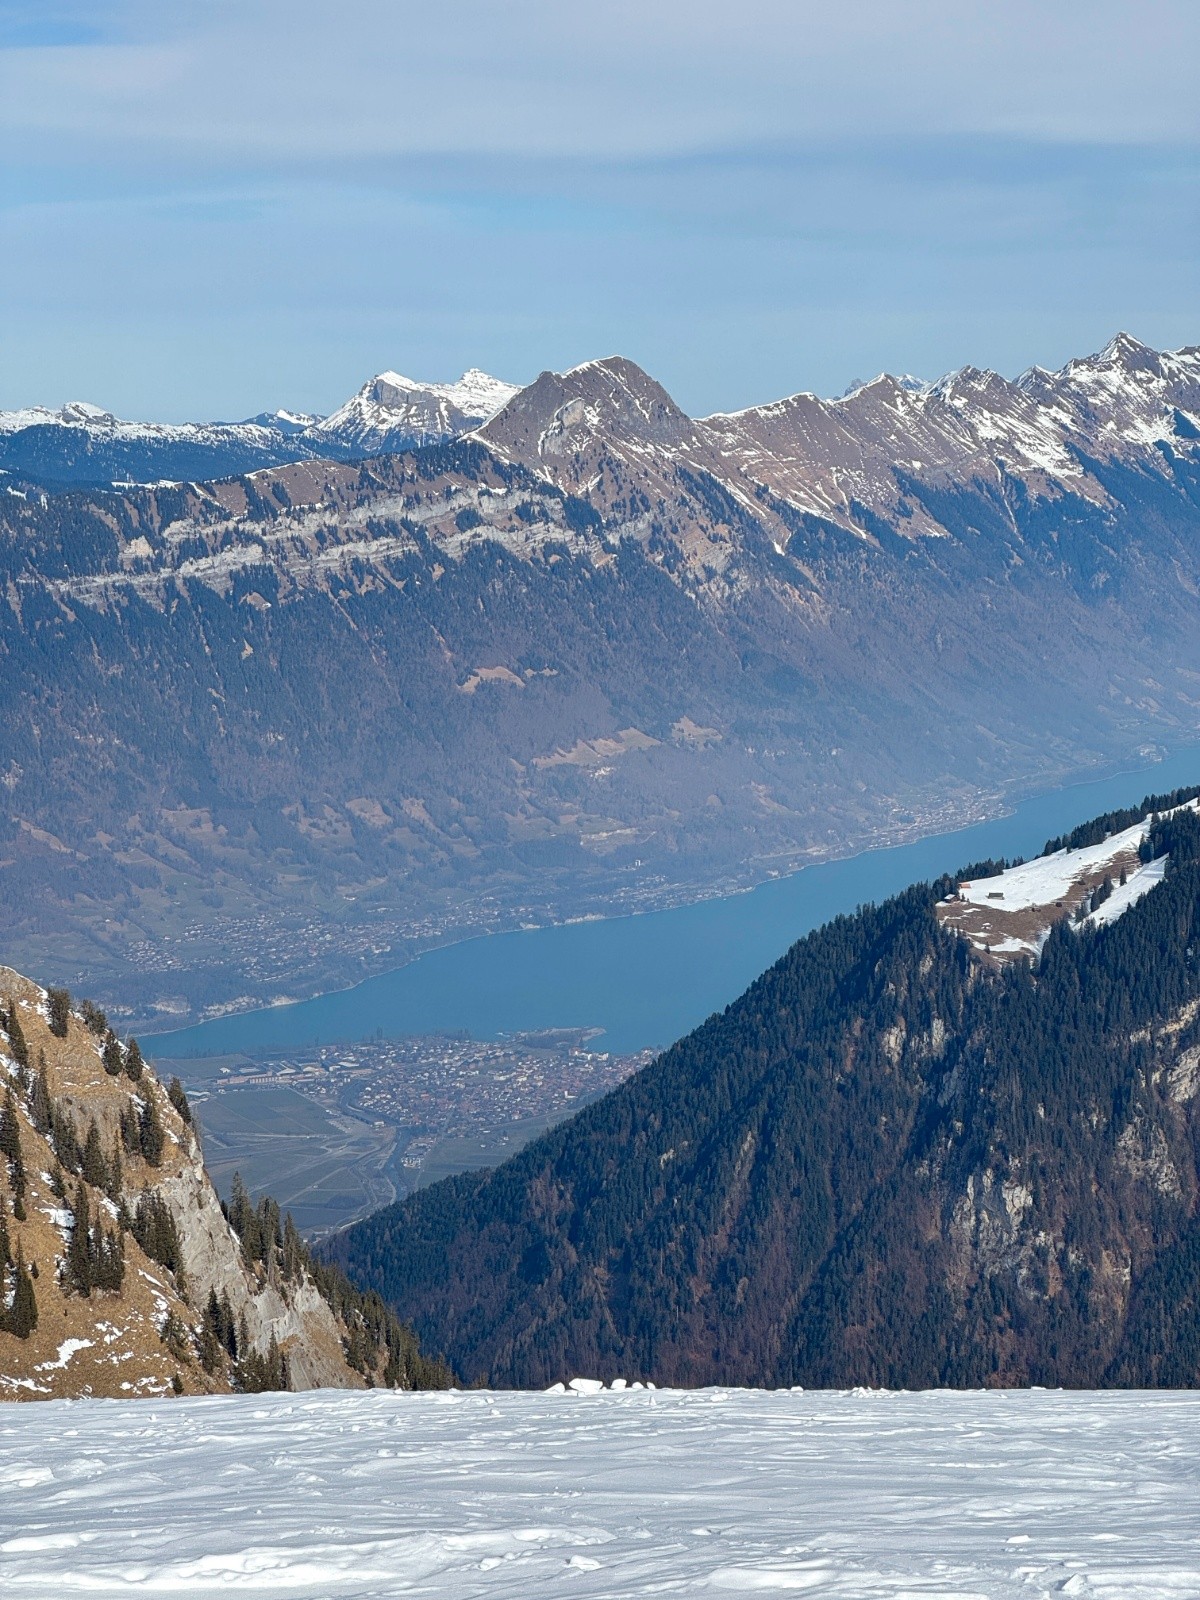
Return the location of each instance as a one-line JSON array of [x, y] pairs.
[[214, 206]]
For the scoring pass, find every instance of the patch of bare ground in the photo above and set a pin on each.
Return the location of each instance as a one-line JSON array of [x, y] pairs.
[[1001, 935]]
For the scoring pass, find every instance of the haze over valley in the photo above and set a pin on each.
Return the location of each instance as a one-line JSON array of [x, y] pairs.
[[272, 733]]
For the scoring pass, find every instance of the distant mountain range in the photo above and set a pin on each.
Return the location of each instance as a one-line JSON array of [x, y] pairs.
[[83, 444], [268, 733], [905, 1157], [824, 456]]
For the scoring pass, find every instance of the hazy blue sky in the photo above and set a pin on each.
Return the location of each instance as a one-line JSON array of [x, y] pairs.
[[212, 206]]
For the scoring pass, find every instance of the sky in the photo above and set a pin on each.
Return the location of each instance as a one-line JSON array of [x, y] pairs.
[[212, 207]]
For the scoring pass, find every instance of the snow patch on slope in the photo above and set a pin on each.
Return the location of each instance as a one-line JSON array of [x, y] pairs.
[[1011, 913], [1128, 894], [1051, 878]]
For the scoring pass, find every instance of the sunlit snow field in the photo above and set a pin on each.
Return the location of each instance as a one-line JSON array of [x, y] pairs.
[[612, 1494]]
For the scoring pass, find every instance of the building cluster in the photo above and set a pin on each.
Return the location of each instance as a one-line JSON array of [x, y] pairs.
[[443, 1086]]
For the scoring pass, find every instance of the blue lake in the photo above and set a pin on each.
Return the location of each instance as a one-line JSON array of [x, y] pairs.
[[646, 980]]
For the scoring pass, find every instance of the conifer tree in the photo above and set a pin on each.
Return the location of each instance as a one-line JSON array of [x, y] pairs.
[[116, 1172], [256, 1373], [292, 1259], [150, 1132], [108, 1268], [208, 1346], [10, 1127], [22, 1316], [64, 1139], [94, 1019], [177, 1095], [10, 1150], [131, 1138], [133, 1061], [95, 1258], [77, 1267], [39, 1098], [59, 1004], [243, 1219], [155, 1229], [5, 1242], [94, 1165], [113, 1056], [17, 1047], [220, 1320]]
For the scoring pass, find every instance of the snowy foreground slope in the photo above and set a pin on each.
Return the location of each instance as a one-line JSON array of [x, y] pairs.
[[615, 1494]]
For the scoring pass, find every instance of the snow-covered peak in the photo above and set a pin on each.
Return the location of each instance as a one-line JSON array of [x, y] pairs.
[[289, 423], [84, 411], [476, 394], [902, 380], [1126, 351], [76, 413], [479, 394], [392, 411]]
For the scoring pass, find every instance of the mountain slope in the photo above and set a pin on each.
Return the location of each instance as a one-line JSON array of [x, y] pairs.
[[270, 734], [119, 1272], [890, 1162], [391, 413]]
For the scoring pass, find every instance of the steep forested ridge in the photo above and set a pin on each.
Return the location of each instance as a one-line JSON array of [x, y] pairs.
[[883, 1164], [120, 1271]]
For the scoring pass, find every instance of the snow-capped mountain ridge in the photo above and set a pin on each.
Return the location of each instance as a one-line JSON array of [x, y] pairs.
[[85, 443], [821, 455], [392, 412]]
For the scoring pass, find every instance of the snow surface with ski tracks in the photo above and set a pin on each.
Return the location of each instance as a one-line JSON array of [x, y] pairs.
[[618, 1495]]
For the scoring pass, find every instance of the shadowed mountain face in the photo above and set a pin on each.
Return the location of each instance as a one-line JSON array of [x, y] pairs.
[[888, 1163], [271, 733]]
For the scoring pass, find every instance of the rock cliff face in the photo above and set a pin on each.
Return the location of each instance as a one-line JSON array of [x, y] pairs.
[[111, 1227]]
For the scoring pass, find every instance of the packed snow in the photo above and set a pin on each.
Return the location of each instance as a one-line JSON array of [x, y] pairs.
[[1128, 894], [1047, 879], [605, 1494]]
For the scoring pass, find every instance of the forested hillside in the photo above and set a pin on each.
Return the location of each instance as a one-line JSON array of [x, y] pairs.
[[121, 1274], [886, 1163]]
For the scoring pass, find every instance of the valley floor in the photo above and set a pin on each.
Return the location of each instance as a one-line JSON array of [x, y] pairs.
[[610, 1495]]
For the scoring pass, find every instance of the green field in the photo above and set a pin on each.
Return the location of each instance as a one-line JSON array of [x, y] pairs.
[[321, 1165]]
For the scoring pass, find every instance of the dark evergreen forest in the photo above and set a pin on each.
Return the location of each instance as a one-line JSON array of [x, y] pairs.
[[883, 1164]]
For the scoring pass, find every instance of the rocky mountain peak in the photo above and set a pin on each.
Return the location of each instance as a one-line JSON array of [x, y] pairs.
[[562, 413], [391, 412], [1123, 350]]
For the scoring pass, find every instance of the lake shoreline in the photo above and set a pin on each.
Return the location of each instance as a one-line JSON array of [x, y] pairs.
[[260, 1026]]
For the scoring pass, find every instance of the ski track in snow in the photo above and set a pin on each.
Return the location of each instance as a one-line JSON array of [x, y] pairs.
[[614, 1495]]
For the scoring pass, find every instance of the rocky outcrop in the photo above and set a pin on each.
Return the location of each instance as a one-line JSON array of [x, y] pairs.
[[141, 1284]]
